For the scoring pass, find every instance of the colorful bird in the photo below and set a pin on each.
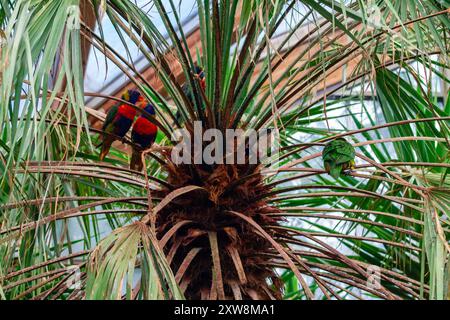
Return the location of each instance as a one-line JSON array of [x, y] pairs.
[[143, 135], [338, 157], [119, 120], [200, 75]]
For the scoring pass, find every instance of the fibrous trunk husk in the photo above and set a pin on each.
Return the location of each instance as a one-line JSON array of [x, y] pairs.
[[244, 254]]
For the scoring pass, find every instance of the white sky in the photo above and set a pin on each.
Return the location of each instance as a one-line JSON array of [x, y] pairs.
[[104, 76]]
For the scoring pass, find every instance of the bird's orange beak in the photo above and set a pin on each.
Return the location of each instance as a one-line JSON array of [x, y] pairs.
[[142, 102]]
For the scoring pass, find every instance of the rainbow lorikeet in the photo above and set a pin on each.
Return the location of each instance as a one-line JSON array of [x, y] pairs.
[[338, 157], [143, 135], [199, 74], [119, 120]]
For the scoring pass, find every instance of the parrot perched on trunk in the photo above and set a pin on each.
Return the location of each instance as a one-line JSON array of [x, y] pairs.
[[338, 157], [143, 135], [199, 74], [119, 120]]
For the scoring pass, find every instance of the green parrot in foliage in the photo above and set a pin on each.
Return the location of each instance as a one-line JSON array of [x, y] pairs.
[[338, 157]]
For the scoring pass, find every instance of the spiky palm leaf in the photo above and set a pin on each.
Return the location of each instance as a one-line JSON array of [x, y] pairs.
[[205, 231]]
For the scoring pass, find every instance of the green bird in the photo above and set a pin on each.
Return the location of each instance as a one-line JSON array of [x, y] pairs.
[[338, 157]]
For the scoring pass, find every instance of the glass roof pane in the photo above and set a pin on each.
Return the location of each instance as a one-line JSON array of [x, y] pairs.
[[103, 75]]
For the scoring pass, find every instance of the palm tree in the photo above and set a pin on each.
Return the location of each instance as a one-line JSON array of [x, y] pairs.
[[72, 227]]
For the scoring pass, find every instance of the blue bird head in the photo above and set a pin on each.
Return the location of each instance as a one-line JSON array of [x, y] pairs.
[[199, 71], [132, 96], [150, 109]]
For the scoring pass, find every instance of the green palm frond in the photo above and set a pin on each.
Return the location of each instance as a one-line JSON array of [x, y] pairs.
[[372, 72]]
